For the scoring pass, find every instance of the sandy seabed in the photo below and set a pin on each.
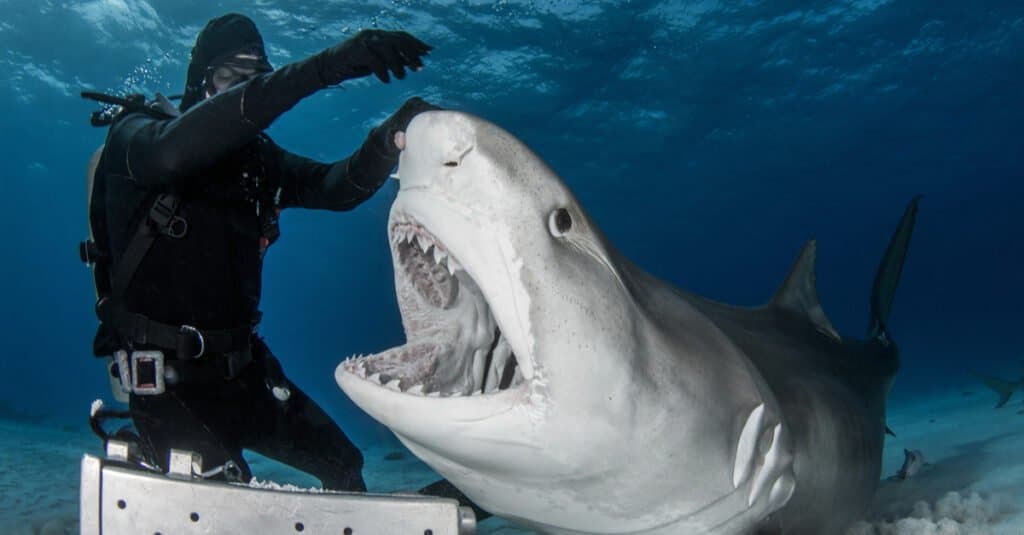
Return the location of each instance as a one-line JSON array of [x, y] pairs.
[[974, 484]]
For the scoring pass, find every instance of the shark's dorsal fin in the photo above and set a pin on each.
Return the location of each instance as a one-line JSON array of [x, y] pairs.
[[799, 293]]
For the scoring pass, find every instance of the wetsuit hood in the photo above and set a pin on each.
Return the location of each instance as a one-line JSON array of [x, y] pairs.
[[221, 37]]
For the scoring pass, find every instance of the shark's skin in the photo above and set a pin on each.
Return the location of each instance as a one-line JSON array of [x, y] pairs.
[[635, 407]]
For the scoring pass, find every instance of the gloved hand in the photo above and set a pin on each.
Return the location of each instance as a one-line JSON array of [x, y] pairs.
[[371, 52], [400, 120]]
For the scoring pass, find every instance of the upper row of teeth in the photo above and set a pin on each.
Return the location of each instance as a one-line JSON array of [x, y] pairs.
[[413, 236]]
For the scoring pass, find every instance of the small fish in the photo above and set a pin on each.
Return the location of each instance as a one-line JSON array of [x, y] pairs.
[[912, 464]]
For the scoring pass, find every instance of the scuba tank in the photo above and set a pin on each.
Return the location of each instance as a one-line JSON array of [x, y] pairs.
[[94, 252]]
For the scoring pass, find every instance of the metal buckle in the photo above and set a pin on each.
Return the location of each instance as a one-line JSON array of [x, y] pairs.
[[177, 227], [124, 373], [147, 373], [202, 343]]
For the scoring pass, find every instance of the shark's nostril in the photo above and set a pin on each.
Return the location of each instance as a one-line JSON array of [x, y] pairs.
[[451, 164]]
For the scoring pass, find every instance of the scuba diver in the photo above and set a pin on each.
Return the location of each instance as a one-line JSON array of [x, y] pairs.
[[184, 204]]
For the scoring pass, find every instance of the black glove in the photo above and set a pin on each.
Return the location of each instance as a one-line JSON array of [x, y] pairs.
[[371, 52], [399, 121], [379, 154]]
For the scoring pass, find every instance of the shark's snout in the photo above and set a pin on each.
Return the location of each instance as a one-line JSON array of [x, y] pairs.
[[434, 144]]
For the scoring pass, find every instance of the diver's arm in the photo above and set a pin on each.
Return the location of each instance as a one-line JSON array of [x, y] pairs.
[[342, 185], [158, 151], [347, 183], [155, 151]]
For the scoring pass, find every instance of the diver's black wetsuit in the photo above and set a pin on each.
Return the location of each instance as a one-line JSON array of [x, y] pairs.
[[229, 181], [224, 170]]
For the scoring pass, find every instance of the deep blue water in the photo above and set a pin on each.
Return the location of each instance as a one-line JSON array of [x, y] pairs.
[[709, 139]]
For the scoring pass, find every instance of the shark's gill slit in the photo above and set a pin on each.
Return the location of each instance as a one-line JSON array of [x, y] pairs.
[[442, 307]]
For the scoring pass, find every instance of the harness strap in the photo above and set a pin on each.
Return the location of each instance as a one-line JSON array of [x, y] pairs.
[[225, 367], [186, 341], [160, 220]]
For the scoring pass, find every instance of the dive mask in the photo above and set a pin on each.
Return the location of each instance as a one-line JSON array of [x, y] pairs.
[[233, 70]]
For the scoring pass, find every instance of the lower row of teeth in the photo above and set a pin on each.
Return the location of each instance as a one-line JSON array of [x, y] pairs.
[[357, 366]]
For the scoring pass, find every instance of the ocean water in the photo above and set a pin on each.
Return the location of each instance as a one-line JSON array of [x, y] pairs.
[[708, 139]]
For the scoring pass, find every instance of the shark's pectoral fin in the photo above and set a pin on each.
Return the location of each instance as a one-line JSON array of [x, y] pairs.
[[799, 293]]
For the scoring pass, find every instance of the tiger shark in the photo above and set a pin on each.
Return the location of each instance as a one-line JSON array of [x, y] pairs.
[[560, 386]]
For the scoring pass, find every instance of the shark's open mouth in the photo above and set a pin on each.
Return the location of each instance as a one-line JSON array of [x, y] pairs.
[[455, 346]]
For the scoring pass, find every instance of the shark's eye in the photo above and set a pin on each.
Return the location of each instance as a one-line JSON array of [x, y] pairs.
[[559, 222]]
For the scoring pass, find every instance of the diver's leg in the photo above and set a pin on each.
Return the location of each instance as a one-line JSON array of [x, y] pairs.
[[188, 420], [297, 432]]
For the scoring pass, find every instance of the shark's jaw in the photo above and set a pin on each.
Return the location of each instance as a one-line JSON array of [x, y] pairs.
[[463, 389], [456, 346]]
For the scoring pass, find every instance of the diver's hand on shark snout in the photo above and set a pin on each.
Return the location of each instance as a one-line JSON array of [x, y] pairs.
[[371, 52], [395, 125]]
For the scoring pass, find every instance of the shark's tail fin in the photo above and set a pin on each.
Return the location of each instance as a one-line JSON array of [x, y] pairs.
[[888, 276], [1005, 389]]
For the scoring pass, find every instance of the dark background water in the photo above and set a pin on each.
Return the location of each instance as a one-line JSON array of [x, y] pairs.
[[708, 139]]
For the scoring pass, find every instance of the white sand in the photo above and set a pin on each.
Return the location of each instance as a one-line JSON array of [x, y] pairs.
[[974, 485]]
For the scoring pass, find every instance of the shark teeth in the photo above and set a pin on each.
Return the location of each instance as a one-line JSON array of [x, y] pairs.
[[356, 365], [410, 233], [428, 272], [453, 266]]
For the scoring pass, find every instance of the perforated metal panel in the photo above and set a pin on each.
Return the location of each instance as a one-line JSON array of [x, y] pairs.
[[121, 501]]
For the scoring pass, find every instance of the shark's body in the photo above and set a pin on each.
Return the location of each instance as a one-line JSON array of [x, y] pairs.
[[1002, 387], [558, 384]]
